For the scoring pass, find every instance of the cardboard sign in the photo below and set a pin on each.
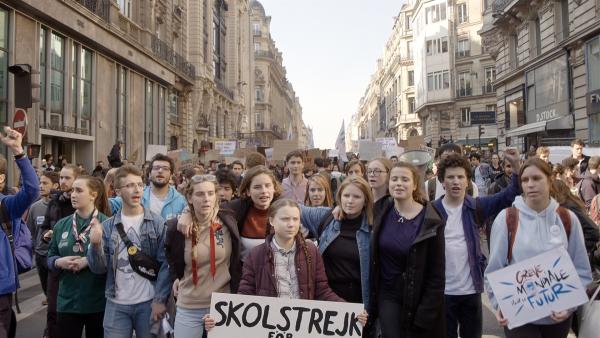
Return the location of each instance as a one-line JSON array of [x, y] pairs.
[[311, 154], [369, 150], [270, 317], [211, 155], [386, 141], [393, 151], [153, 149], [180, 156], [282, 148], [532, 289], [226, 148], [269, 154]]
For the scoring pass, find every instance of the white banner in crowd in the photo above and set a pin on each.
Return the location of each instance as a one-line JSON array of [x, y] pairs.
[[532, 289], [225, 147], [153, 149], [238, 316]]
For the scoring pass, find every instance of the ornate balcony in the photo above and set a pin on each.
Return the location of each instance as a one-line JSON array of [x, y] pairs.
[[162, 50], [98, 7]]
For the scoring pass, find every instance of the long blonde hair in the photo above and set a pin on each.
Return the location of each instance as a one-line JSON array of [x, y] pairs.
[[364, 187], [322, 181]]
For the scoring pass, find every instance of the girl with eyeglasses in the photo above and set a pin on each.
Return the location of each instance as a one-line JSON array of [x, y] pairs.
[[81, 299], [269, 271], [318, 192], [377, 175], [207, 261]]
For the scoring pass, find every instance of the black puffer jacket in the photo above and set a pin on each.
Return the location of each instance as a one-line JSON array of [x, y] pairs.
[[424, 279], [58, 208]]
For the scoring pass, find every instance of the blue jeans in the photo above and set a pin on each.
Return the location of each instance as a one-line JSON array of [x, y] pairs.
[[464, 314], [120, 320], [189, 323]]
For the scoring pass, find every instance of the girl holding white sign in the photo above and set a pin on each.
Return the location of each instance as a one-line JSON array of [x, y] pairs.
[[534, 225]]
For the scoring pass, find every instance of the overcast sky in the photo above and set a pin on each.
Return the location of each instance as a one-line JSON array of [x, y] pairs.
[[330, 49]]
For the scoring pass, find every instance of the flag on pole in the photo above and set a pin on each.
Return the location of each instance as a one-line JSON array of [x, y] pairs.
[[340, 144], [289, 134]]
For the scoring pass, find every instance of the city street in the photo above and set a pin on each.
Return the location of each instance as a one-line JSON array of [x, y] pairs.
[[32, 319]]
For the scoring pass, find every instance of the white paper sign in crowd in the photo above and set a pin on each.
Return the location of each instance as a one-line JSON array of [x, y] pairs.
[[239, 316], [532, 289]]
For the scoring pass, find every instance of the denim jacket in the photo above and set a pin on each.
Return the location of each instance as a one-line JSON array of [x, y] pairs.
[[474, 213], [152, 236], [312, 216]]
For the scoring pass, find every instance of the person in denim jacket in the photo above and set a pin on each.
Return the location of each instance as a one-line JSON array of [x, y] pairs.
[[345, 243], [132, 300]]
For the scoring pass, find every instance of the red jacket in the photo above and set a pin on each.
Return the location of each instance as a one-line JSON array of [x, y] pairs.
[[258, 275]]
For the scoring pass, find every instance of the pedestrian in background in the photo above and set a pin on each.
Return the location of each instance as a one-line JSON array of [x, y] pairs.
[[318, 192], [114, 157]]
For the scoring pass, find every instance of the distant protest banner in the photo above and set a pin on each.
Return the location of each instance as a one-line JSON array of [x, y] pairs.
[[226, 148], [281, 148], [238, 316], [532, 289], [369, 150], [269, 154], [153, 149]]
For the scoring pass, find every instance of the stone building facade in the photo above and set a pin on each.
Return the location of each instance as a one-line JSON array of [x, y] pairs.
[[547, 57], [107, 71]]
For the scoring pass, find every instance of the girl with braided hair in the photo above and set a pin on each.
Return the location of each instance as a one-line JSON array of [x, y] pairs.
[[295, 263]]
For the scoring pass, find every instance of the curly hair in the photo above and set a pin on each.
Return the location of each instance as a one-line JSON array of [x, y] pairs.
[[453, 161]]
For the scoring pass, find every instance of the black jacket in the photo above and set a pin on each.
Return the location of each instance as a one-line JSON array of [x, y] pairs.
[[424, 279], [114, 157], [502, 181], [175, 248], [58, 208], [239, 208], [582, 167], [589, 187]]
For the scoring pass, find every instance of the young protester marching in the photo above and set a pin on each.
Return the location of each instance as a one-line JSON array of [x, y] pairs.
[[205, 262], [128, 249], [285, 265], [407, 261], [80, 301], [378, 172], [294, 186], [536, 224]]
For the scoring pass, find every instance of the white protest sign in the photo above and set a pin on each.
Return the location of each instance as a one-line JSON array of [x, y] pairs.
[[369, 150], [269, 154], [393, 151], [333, 153], [532, 289], [225, 147], [153, 149], [270, 317], [386, 141]]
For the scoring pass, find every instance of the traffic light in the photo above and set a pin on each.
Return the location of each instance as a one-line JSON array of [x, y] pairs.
[[481, 130], [22, 74]]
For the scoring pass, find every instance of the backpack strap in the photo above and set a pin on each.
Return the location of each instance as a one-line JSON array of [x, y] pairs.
[[565, 218], [324, 221], [512, 224], [123, 235]]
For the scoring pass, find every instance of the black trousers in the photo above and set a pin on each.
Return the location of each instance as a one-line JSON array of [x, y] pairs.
[[71, 325], [5, 314], [41, 263], [464, 315], [52, 295]]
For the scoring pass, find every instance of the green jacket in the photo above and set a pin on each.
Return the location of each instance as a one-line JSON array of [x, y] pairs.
[[81, 292]]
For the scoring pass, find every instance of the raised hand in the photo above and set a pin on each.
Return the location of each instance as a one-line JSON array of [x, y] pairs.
[[13, 140], [512, 156]]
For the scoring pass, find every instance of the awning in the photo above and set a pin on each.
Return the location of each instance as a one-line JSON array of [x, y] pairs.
[[527, 129], [563, 122]]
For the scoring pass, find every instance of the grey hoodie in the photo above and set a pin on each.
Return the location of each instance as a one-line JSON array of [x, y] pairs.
[[534, 237]]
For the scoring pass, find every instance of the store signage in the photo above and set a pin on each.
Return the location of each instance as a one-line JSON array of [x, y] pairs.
[[593, 102], [483, 117], [549, 112]]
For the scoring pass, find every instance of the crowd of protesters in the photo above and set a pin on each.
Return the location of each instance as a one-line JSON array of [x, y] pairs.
[[122, 249]]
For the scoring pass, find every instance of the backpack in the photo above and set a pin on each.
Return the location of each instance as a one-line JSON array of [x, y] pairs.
[[432, 183], [512, 224], [21, 245]]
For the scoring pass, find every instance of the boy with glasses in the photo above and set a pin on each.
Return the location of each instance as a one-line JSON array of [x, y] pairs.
[[132, 298], [159, 197]]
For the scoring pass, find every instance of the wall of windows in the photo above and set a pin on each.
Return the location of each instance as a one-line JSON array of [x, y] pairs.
[[435, 13], [438, 80], [437, 46], [548, 91], [57, 79]]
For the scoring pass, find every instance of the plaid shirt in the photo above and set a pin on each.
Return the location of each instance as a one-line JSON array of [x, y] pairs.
[[285, 271]]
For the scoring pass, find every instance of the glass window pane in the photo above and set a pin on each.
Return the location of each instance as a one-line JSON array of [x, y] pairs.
[[57, 75], [74, 95], [3, 29], [86, 83], [593, 61]]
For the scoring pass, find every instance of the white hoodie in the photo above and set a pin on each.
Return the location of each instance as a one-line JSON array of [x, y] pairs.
[[536, 235]]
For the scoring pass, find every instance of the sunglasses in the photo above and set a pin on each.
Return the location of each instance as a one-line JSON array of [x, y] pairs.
[[203, 178]]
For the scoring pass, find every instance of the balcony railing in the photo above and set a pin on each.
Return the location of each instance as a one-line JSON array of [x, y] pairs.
[[98, 7], [224, 89], [487, 89], [461, 92], [500, 5], [263, 53], [162, 50]]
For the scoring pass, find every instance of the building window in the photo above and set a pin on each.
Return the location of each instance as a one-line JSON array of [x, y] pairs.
[[535, 40], [411, 77], [256, 28], [149, 113], [490, 77], [490, 107], [463, 47], [408, 18], [561, 19], [122, 102], [409, 50], [465, 116], [125, 8], [173, 143], [85, 83], [437, 46], [464, 84], [411, 105], [593, 69], [513, 46], [4, 18], [57, 79], [438, 80], [435, 13], [43, 33], [547, 91], [257, 47], [260, 94], [463, 15], [162, 114], [259, 123], [218, 31]]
